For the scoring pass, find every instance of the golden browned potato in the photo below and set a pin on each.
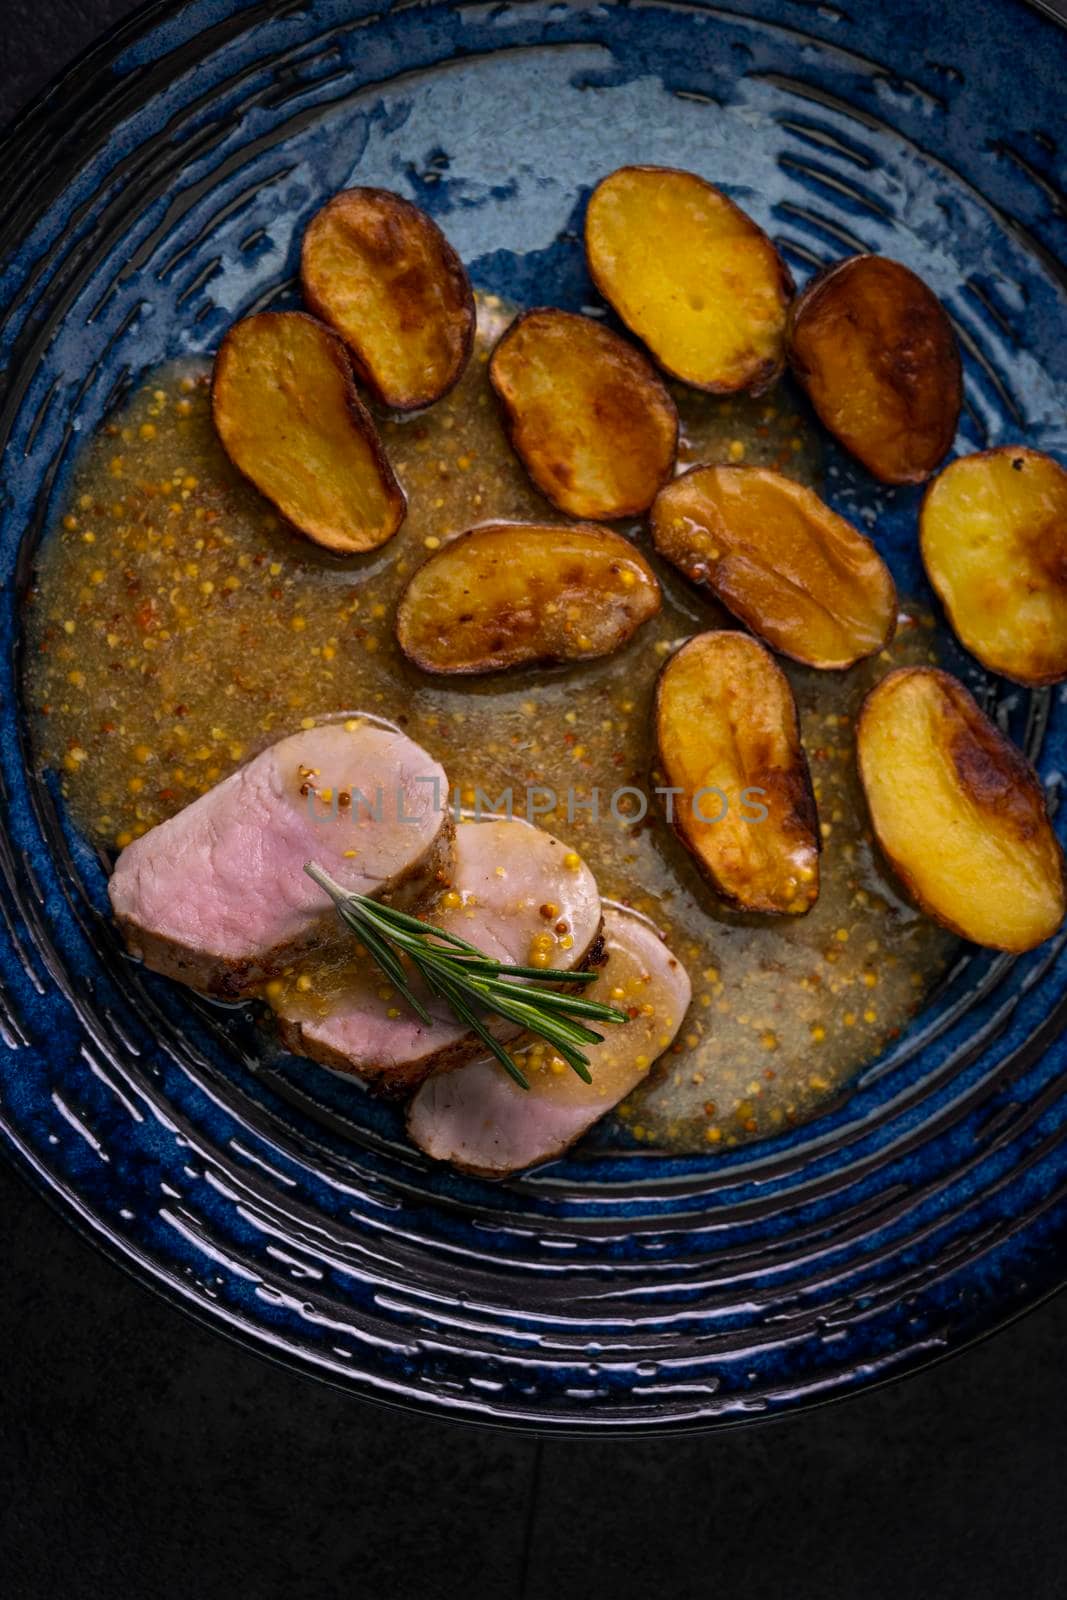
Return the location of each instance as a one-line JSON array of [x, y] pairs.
[[875, 350], [383, 274], [693, 277], [959, 811], [588, 416], [287, 412], [512, 593], [729, 745], [790, 568], [994, 541]]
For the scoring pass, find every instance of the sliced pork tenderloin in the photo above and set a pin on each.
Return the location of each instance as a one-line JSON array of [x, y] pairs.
[[516, 893], [217, 896], [482, 1122]]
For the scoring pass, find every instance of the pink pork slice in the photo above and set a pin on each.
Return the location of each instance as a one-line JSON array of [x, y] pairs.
[[482, 1122], [217, 896], [511, 885]]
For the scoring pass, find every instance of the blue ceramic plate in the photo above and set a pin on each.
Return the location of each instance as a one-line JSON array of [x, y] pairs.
[[157, 193]]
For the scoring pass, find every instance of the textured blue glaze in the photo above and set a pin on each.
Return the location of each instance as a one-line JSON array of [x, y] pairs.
[[620, 1289]]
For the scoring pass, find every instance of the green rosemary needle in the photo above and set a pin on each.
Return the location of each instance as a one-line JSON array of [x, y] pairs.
[[470, 982]]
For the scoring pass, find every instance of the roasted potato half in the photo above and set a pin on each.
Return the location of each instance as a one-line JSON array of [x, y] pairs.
[[959, 812], [691, 275], [729, 745], [288, 415], [513, 593], [585, 412], [875, 351], [790, 568], [993, 532], [382, 273]]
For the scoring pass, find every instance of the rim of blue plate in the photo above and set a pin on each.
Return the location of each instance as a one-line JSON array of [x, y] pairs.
[[42, 143]]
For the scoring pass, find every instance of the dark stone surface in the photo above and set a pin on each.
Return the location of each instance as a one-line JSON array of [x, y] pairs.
[[146, 1458]]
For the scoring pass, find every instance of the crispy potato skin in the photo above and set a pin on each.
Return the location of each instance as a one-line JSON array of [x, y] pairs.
[[286, 409], [774, 554], [993, 532], [725, 718], [586, 414], [504, 595], [381, 272], [875, 351], [959, 812], [691, 275]]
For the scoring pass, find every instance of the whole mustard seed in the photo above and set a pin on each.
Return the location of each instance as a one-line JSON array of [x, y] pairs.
[[203, 678]]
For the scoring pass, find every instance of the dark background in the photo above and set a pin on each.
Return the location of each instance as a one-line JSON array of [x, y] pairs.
[[143, 1458]]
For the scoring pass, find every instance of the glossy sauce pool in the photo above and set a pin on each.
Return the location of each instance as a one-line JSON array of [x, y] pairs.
[[177, 626]]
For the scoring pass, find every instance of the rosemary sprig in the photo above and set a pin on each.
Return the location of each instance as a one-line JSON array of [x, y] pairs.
[[470, 982]]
